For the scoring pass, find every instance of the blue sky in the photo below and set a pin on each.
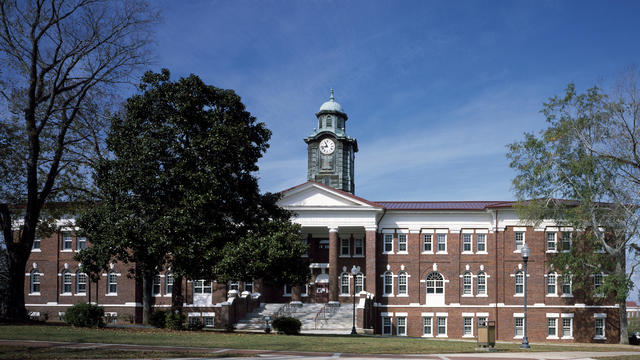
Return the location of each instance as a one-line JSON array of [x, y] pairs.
[[434, 90]]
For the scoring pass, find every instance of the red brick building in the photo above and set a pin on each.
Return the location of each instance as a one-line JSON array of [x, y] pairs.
[[427, 269]]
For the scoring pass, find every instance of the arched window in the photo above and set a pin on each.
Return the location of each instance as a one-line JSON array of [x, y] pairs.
[[66, 282], [168, 283], [155, 286], [519, 283], [34, 282], [481, 284], [359, 283], [388, 283], [344, 283], [467, 283], [112, 283], [402, 283], [551, 283], [435, 283], [81, 283]]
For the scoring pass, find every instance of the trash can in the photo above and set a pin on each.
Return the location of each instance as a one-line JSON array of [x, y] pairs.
[[487, 334]]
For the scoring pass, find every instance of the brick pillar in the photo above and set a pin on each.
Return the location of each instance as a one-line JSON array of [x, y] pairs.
[[371, 253], [333, 264]]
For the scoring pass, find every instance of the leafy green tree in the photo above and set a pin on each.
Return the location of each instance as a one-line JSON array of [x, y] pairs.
[[566, 161], [180, 189], [61, 62]]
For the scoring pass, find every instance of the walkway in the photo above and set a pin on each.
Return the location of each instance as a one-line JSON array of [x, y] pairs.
[[277, 355]]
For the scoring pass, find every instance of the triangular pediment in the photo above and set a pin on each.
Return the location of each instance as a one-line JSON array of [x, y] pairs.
[[313, 195]]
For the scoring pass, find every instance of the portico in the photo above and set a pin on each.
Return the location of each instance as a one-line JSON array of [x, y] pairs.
[[340, 230]]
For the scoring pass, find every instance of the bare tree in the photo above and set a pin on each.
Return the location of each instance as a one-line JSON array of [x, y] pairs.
[[62, 61]]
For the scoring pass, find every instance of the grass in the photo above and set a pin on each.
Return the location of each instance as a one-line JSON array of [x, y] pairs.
[[336, 343], [48, 352]]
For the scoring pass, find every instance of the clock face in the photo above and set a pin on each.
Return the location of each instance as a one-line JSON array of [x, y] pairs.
[[327, 146]]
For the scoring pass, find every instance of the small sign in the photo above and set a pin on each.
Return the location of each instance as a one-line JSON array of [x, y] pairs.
[[266, 318]]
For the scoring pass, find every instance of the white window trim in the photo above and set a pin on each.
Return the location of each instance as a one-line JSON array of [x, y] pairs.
[[398, 316], [384, 293], [467, 252], [467, 317], [384, 242], [546, 286], [406, 236], [384, 316], [446, 325], [422, 251], [604, 326], [521, 316], [429, 315], [524, 238], [446, 247], [348, 247], [565, 316], [345, 274]]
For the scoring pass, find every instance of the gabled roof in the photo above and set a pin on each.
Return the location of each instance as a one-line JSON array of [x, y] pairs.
[[339, 193]]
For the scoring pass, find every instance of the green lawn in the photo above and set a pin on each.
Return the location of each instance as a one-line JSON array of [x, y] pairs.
[[342, 343], [46, 353]]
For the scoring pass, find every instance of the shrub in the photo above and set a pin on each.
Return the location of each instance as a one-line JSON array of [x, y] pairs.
[[158, 319], [174, 321], [287, 325], [195, 324], [84, 315]]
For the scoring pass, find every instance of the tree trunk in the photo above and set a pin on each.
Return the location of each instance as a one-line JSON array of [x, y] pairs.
[[622, 305], [15, 310], [147, 283], [177, 297]]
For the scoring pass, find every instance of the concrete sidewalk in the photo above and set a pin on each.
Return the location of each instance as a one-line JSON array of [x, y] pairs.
[[237, 354]]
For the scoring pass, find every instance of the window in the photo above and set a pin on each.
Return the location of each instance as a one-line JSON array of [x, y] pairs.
[[344, 284], [567, 328], [287, 290], [67, 240], [551, 284], [248, 286], [112, 283], [481, 286], [304, 289], [306, 247], [329, 121], [194, 320], [427, 242], [481, 242], [81, 283], [388, 283], [34, 280], [566, 241], [401, 326], [518, 327], [466, 242], [323, 244], [467, 283], [344, 247], [82, 242], [519, 283], [66, 282], [388, 243], [442, 242], [155, 289], [386, 325], [597, 281], [207, 321], [600, 328], [552, 327], [467, 326], [435, 283], [358, 247], [36, 243], [201, 287], [519, 240], [402, 283], [442, 326], [551, 242], [359, 283], [234, 285], [427, 326], [482, 321], [566, 285], [402, 243], [168, 282]]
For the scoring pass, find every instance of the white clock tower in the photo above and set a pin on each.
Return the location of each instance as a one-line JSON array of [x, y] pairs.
[[331, 153]]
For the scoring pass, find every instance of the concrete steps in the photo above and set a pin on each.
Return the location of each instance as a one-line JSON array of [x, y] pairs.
[[333, 320]]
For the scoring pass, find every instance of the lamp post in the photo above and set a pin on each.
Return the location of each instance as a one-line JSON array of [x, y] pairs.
[[355, 270], [524, 251]]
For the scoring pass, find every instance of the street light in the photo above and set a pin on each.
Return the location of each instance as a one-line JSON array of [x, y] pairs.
[[524, 251], [355, 270]]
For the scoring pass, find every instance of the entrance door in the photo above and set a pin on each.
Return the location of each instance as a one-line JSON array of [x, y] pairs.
[[322, 293]]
